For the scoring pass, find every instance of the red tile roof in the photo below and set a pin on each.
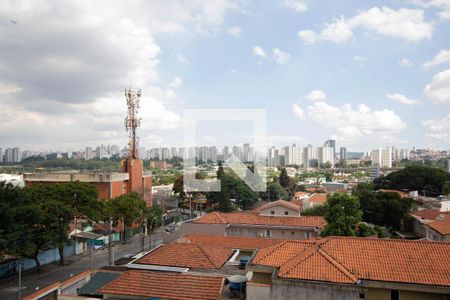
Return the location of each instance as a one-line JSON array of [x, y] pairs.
[[165, 285], [435, 219], [254, 219], [301, 194], [298, 202], [345, 259], [317, 198], [187, 255], [283, 203], [231, 242]]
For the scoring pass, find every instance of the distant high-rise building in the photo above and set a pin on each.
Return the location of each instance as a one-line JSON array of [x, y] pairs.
[[382, 158], [309, 157], [28, 153], [343, 153], [245, 151], [88, 153], [237, 151], [325, 155], [16, 155], [9, 155], [332, 144], [225, 152], [1, 155]]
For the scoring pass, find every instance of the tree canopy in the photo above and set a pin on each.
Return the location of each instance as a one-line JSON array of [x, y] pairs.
[[427, 180], [343, 214]]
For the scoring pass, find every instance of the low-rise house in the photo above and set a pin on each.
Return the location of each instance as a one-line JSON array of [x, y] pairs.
[[301, 195], [254, 224], [315, 199], [351, 268], [432, 224], [279, 208]]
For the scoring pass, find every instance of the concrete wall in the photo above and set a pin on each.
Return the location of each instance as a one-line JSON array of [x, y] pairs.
[[290, 234], [257, 291], [279, 210], [385, 294], [312, 291]]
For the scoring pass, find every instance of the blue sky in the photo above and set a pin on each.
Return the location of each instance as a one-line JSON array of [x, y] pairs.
[[365, 65]]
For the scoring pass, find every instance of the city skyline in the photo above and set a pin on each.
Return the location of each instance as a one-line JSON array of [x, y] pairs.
[[364, 75]]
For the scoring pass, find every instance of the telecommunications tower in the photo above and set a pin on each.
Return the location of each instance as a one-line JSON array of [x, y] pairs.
[[132, 122]]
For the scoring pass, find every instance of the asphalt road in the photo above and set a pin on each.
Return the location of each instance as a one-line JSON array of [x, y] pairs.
[[34, 280]]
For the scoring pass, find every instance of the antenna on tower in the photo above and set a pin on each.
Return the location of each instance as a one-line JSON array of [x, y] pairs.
[[132, 122]]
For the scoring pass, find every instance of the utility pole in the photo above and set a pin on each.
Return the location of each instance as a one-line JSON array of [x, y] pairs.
[[20, 282], [110, 259]]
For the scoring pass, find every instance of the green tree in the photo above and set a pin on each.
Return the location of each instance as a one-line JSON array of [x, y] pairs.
[[425, 179], [446, 188], [153, 216], [343, 214], [223, 197], [128, 209], [274, 192], [329, 176], [285, 181]]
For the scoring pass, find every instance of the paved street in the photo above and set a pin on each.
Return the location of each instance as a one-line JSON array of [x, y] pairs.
[[33, 280]]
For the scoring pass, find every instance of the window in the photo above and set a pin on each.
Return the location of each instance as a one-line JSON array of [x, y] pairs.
[[306, 235], [292, 232], [286, 213], [252, 232], [268, 233], [362, 296], [395, 295], [235, 231], [272, 212]]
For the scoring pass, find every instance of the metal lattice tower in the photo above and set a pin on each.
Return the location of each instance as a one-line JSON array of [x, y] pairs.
[[132, 122]]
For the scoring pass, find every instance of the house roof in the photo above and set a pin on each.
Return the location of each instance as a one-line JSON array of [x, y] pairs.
[[280, 203], [231, 242], [301, 194], [441, 224], [97, 281], [247, 218], [348, 259], [317, 198], [298, 202], [165, 285], [187, 255], [435, 219]]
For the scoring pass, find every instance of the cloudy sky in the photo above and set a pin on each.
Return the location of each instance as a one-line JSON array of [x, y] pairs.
[[367, 73]]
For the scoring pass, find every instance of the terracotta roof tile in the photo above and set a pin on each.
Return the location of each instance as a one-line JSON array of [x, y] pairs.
[[298, 202], [165, 285], [283, 203], [187, 255], [416, 262], [251, 218], [427, 214], [317, 198], [231, 242], [301, 194], [441, 224], [315, 264]]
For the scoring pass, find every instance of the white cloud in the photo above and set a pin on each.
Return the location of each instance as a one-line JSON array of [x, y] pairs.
[[235, 31], [280, 56], [337, 32], [90, 52], [438, 90], [356, 124], [297, 5], [404, 62], [442, 57], [308, 37], [7, 88], [176, 82], [316, 95], [439, 129], [258, 51], [405, 24], [298, 111], [444, 5], [402, 99]]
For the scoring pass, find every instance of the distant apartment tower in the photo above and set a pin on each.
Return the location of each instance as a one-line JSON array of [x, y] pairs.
[[332, 144], [309, 157], [1, 155], [16, 155], [9, 155], [237, 151], [382, 158], [225, 152], [88, 153], [326, 155], [343, 153]]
